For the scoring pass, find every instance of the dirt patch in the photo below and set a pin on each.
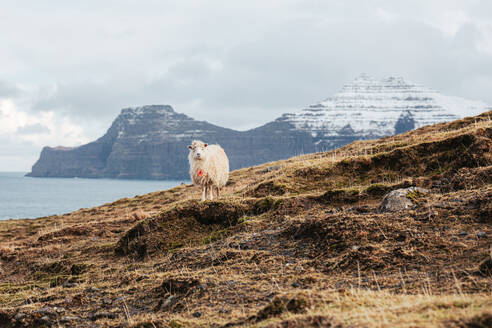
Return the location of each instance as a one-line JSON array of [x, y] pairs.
[[378, 190], [78, 268], [282, 304], [269, 188], [341, 196], [54, 267], [189, 224], [266, 204], [485, 267], [5, 319], [481, 321], [466, 178], [478, 206], [68, 231], [179, 286], [308, 321]]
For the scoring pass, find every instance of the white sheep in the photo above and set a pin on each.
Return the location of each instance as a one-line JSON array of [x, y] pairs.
[[209, 168]]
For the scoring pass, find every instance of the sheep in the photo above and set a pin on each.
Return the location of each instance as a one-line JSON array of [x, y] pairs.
[[209, 168]]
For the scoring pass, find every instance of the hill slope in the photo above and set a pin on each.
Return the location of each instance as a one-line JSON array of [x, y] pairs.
[[297, 243]]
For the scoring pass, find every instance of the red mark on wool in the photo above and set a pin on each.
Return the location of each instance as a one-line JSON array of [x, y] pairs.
[[200, 173]]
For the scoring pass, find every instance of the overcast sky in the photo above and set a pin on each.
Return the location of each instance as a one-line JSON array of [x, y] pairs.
[[67, 67]]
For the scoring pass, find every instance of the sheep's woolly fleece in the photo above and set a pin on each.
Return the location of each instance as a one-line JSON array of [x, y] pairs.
[[213, 169]]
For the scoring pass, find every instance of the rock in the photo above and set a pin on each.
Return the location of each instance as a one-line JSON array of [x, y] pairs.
[[271, 168], [481, 234], [44, 320], [362, 209], [101, 315], [180, 286], [19, 316], [406, 122], [141, 278], [68, 318], [92, 289], [485, 268], [167, 304], [67, 284], [339, 285], [46, 311], [401, 199], [281, 304], [224, 310], [197, 314], [170, 301], [78, 268], [462, 233], [59, 309]]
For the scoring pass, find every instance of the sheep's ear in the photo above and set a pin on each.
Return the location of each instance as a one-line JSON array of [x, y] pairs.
[[189, 147], [205, 145]]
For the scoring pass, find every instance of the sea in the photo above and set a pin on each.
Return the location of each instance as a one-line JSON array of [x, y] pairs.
[[25, 197]]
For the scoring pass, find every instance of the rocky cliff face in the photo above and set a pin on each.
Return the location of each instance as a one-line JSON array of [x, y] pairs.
[[149, 142]]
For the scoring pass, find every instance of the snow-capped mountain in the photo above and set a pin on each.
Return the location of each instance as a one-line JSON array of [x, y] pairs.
[[371, 108]]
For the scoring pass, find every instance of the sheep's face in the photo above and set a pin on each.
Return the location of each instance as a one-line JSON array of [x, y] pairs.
[[198, 150]]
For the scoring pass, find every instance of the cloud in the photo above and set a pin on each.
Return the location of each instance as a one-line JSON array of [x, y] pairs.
[[7, 90], [17, 155], [22, 134], [236, 64], [300, 54], [35, 128]]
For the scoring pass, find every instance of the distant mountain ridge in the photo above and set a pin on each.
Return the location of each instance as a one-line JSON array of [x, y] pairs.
[[149, 142], [368, 108]]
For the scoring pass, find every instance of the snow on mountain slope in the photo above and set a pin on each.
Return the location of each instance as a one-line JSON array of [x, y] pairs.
[[371, 108]]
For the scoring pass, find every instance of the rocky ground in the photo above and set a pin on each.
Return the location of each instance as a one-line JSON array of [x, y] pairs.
[[381, 233]]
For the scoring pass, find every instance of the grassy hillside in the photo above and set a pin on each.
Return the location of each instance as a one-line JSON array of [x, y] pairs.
[[295, 243]]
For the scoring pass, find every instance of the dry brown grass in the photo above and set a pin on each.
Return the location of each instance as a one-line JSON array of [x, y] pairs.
[[382, 309], [300, 244]]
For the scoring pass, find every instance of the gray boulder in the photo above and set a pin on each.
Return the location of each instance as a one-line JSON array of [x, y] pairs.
[[401, 199]]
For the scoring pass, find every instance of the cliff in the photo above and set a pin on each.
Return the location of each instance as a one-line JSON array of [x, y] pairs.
[[149, 142]]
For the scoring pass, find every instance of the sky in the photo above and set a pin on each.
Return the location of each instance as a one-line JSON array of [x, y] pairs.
[[68, 67]]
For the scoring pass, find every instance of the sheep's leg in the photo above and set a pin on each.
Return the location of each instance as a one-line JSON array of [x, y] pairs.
[[204, 193], [217, 190], [211, 192]]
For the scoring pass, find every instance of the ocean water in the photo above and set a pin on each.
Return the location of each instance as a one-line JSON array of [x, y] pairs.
[[23, 197]]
